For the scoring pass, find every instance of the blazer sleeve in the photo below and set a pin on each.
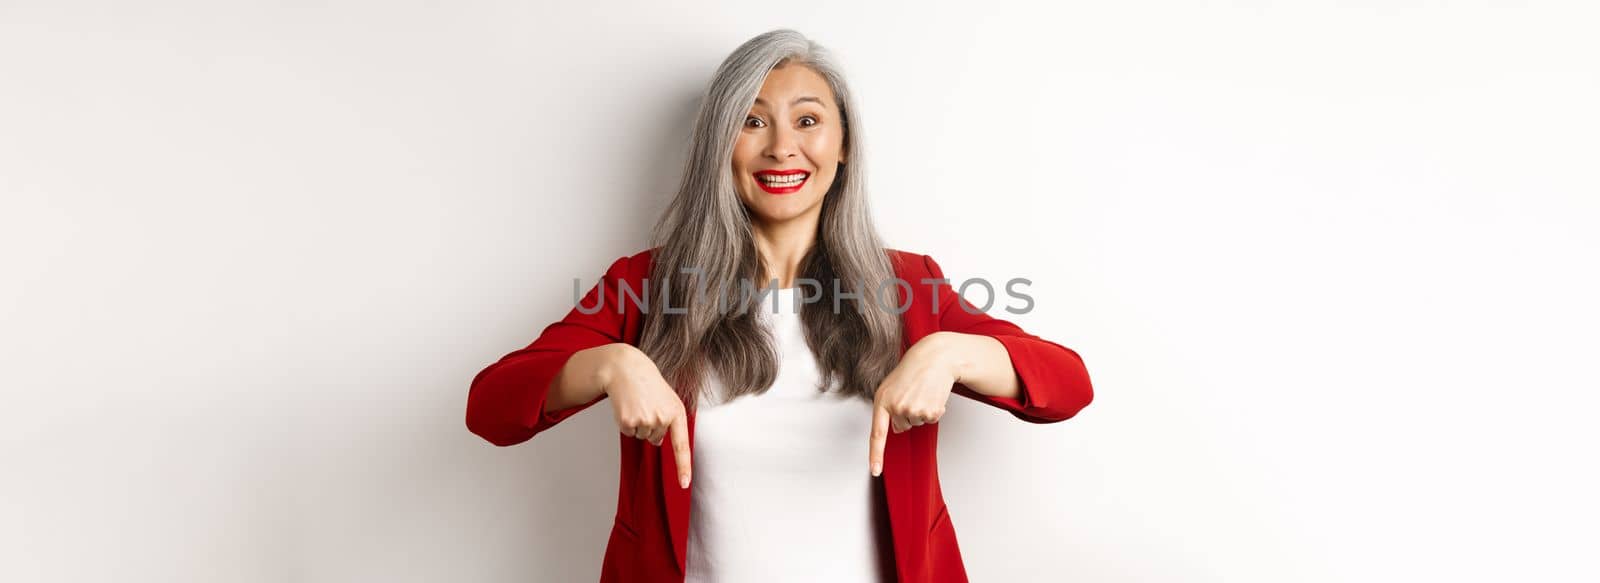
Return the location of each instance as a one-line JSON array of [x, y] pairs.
[[505, 403], [1054, 382]]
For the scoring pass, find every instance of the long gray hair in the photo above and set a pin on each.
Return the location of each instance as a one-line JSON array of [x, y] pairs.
[[707, 228]]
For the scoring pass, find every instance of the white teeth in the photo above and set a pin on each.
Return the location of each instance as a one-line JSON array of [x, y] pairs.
[[783, 180]]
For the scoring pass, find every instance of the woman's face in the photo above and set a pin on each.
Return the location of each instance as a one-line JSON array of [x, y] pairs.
[[790, 146]]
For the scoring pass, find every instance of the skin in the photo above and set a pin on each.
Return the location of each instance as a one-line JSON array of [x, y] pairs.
[[794, 124]]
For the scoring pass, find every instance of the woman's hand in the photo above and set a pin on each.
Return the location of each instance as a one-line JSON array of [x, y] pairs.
[[915, 392], [646, 407]]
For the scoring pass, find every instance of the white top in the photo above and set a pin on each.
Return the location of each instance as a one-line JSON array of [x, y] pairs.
[[781, 488]]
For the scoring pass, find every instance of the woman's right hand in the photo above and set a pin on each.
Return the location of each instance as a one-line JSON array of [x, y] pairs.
[[646, 407]]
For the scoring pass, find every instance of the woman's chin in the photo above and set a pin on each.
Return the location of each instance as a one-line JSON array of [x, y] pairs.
[[772, 214], [772, 211]]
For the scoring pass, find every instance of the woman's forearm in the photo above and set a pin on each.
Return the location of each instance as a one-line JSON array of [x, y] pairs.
[[584, 376], [979, 362]]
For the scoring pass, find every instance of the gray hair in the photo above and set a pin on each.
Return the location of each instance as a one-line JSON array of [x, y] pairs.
[[707, 228]]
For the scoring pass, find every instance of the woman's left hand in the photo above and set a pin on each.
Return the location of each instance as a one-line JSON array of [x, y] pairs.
[[915, 392]]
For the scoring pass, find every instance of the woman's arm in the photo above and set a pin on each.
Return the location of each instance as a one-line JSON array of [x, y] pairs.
[[1052, 383], [583, 378], [980, 357], [516, 398], [977, 361]]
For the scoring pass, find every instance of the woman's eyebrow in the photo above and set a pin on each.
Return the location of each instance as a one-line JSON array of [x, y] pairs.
[[797, 100]]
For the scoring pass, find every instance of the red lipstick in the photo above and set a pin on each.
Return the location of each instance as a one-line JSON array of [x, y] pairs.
[[781, 181]]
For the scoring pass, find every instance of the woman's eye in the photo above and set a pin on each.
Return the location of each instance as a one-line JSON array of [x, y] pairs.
[[752, 121], [808, 118]]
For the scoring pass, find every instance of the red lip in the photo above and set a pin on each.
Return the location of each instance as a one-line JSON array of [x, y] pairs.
[[781, 189]]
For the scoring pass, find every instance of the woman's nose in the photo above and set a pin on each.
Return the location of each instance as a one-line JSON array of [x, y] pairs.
[[781, 143]]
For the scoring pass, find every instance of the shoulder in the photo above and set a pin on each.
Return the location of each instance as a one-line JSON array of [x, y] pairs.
[[640, 262], [631, 268], [912, 266]]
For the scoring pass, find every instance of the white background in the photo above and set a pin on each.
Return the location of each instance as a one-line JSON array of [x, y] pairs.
[[1331, 266]]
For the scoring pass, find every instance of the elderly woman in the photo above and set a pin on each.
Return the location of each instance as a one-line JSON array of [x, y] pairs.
[[758, 408]]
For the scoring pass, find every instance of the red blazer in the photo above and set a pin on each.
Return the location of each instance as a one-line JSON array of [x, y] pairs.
[[648, 536]]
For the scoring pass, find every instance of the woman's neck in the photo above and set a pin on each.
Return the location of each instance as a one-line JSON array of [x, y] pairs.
[[782, 246]]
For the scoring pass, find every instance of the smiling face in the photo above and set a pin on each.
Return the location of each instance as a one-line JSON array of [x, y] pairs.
[[790, 147]]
